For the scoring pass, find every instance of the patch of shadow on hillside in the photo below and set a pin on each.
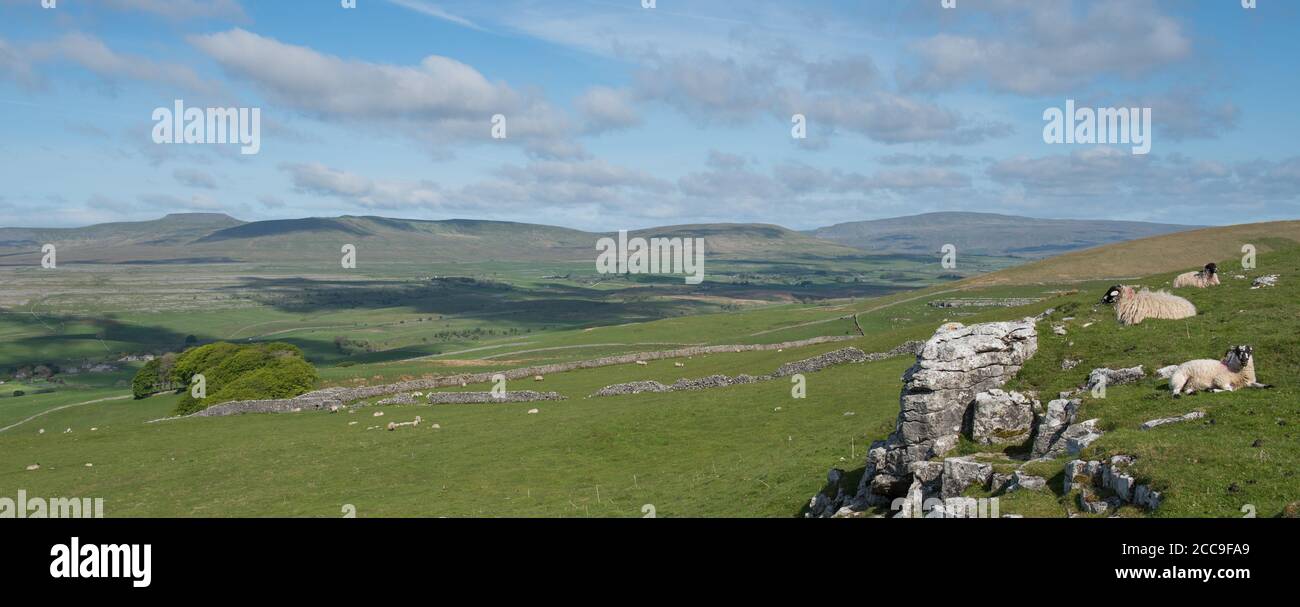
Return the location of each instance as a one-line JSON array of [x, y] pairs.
[[58, 330], [465, 298]]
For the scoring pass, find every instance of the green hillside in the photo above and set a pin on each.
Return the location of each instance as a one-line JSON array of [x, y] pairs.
[[749, 450]]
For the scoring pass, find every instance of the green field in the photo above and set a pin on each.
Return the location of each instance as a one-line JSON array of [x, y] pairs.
[[741, 451]]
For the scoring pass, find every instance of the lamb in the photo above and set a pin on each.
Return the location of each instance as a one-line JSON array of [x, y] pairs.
[[1235, 371], [1208, 277], [1132, 307]]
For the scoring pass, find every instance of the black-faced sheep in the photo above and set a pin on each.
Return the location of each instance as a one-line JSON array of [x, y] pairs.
[[1208, 277], [1133, 307], [1235, 371]]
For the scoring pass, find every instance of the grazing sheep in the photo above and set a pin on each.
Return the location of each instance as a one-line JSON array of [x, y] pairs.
[[1133, 307], [1236, 370], [33, 467], [1208, 277], [395, 425], [538, 378], [642, 363]]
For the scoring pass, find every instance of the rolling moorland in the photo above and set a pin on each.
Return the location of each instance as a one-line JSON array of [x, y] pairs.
[[748, 450]]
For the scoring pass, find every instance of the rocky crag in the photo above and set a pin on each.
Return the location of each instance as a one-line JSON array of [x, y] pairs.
[[954, 367], [955, 388]]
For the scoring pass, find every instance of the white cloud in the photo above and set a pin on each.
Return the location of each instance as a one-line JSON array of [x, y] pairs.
[[606, 109], [440, 99], [433, 10], [318, 179], [1050, 47], [94, 55]]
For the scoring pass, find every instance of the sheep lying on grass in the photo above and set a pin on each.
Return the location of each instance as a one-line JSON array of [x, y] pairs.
[[1208, 277], [1236, 370], [1133, 307]]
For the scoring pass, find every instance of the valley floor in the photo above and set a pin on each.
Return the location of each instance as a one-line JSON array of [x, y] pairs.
[[740, 451]]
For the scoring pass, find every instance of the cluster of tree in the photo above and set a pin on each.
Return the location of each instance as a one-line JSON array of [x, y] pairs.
[[155, 376], [474, 334], [230, 372], [348, 346]]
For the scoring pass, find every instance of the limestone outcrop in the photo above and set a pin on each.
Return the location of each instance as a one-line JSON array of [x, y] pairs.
[[955, 365]]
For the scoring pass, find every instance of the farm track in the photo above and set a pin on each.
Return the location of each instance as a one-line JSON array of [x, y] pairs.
[[62, 407]]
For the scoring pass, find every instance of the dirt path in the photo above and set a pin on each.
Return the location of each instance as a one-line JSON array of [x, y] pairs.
[[552, 348], [62, 407]]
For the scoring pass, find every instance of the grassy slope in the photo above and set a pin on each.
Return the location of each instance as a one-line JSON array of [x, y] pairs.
[[1189, 250], [715, 453]]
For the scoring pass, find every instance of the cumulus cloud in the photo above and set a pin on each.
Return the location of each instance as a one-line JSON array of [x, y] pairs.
[[440, 98], [94, 55], [318, 179], [715, 89], [857, 73], [893, 118], [607, 109], [1050, 47]]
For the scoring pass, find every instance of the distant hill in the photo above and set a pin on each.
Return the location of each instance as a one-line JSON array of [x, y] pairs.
[[194, 238], [987, 234], [172, 229], [753, 240]]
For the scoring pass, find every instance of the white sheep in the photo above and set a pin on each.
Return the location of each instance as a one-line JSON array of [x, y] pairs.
[[1235, 371], [642, 363], [1208, 277], [538, 378], [1132, 306]]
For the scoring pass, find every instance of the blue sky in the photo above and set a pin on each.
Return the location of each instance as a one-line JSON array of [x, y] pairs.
[[620, 116]]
